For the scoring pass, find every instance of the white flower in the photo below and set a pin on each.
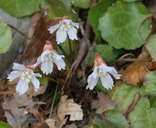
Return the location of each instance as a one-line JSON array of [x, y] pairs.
[[26, 76], [48, 57], [101, 71], [66, 26]]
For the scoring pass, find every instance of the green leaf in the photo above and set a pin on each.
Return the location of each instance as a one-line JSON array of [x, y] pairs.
[[101, 88], [151, 44], [92, 126], [152, 100], [150, 83], [120, 25], [56, 9], [5, 37], [111, 119], [123, 94], [21, 8], [82, 3], [104, 51], [114, 55], [132, 0], [95, 13], [44, 79], [4, 125], [67, 3], [65, 46], [143, 116]]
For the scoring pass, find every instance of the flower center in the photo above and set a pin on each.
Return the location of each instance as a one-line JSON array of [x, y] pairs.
[[49, 57], [26, 76], [64, 26], [100, 73]]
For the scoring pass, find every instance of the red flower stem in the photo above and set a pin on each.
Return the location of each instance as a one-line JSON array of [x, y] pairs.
[[70, 48]]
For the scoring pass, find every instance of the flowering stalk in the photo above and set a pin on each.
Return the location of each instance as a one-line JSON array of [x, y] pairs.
[[70, 48], [26, 75], [101, 71], [48, 57]]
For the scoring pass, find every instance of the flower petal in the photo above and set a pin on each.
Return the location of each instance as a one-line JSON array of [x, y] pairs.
[[38, 74], [92, 83], [35, 82], [13, 75], [38, 62], [44, 54], [67, 21], [107, 81], [60, 64], [94, 73], [75, 24], [58, 57], [105, 68], [111, 70], [19, 67], [54, 28], [115, 74], [47, 67], [21, 87], [72, 32], [61, 36]]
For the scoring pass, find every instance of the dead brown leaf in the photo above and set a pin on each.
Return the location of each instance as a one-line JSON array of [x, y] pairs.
[[49, 123], [68, 107], [14, 106], [31, 90], [37, 114], [71, 126], [40, 35], [135, 72], [104, 103], [59, 123]]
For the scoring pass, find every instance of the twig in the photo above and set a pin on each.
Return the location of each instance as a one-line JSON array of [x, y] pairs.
[[84, 34], [19, 31], [145, 45], [53, 102], [134, 60], [83, 48], [87, 58]]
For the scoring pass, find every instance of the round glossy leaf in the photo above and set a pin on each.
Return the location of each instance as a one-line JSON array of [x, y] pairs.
[[151, 46], [21, 8], [111, 119], [5, 37], [82, 3], [123, 94], [120, 24], [150, 83], [95, 13], [104, 51], [143, 116], [56, 9], [4, 125]]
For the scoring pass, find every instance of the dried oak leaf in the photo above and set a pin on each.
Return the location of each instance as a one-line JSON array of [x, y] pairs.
[[68, 107], [37, 114], [40, 35], [135, 72], [17, 106], [104, 103], [49, 123]]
